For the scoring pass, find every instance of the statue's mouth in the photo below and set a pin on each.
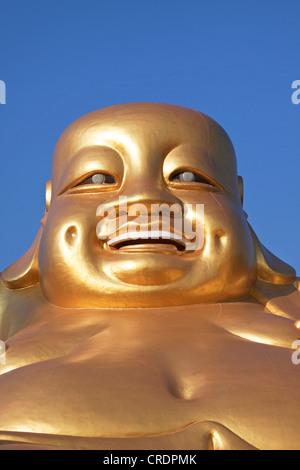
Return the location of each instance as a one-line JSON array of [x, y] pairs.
[[148, 241]]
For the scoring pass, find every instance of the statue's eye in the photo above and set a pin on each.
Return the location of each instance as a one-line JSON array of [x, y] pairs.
[[188, 177], [98, 178]]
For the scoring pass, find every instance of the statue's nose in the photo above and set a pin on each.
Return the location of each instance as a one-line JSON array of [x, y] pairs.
[[149, 193]]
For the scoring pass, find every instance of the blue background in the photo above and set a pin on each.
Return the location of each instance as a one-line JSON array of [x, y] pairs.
[[233, 60]]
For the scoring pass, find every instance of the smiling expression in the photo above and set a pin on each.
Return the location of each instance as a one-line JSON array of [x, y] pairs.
[[150, 154]]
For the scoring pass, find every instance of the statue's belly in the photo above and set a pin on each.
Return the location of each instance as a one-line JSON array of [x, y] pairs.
[[141, 397], [150, 381]]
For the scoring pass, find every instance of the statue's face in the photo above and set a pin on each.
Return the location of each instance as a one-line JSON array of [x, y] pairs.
[[147, 154]]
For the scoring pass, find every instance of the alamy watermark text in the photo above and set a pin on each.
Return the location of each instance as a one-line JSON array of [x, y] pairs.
[[2, 92], [182, 225], [296, 94]]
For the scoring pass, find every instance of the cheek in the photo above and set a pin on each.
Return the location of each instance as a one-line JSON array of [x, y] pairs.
[[67, 238], [234, 243], [228, 241], [71, 236], [219, 240]]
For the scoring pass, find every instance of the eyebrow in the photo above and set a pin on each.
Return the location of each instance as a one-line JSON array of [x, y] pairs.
[[95, 149], [92, 151]]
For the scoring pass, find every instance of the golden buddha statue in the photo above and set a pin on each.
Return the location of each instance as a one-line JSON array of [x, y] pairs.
[[152, 341]]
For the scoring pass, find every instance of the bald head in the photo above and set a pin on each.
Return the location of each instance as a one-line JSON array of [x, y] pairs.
[[151, 132]]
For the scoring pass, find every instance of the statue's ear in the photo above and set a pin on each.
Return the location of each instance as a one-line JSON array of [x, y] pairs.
[[269, 267], [241, 188], [24, 272]]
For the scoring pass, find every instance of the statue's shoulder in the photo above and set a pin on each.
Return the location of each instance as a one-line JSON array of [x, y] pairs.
[[4, 296], [15, 308], [4, 307], [281, 299]]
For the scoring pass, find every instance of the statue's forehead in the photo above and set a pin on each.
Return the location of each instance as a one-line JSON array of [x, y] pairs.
[[145, 130]]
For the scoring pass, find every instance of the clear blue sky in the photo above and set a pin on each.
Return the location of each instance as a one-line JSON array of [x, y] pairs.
[[233, 60]]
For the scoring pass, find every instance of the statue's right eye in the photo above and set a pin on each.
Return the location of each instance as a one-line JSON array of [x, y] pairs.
[[98, 179], [188, 177]]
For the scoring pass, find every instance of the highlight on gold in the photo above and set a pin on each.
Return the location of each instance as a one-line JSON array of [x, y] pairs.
[[147, 314]]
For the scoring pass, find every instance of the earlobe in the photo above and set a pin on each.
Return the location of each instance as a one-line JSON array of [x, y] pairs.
[[241, 188], [24, 272], [269, 267], [48, 195]]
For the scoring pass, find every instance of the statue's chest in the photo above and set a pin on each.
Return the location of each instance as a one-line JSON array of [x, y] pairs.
[[136, 378], [116, 386]]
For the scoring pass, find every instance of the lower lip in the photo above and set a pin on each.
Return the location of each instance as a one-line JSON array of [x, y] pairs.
[[160, 248]]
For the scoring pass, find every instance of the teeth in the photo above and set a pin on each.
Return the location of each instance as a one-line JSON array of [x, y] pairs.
[[144, 235]]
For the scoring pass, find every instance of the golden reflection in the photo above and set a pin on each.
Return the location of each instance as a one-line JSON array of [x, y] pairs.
[[175, 334]]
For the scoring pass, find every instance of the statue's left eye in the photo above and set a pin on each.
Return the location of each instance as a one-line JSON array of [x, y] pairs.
[[188, 177], [98, 178]]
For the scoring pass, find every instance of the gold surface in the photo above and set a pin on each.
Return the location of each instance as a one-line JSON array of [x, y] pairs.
[[147, 346]]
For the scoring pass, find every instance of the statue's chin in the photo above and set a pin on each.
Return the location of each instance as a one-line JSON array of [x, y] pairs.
[[151, 277], [138, 275]]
